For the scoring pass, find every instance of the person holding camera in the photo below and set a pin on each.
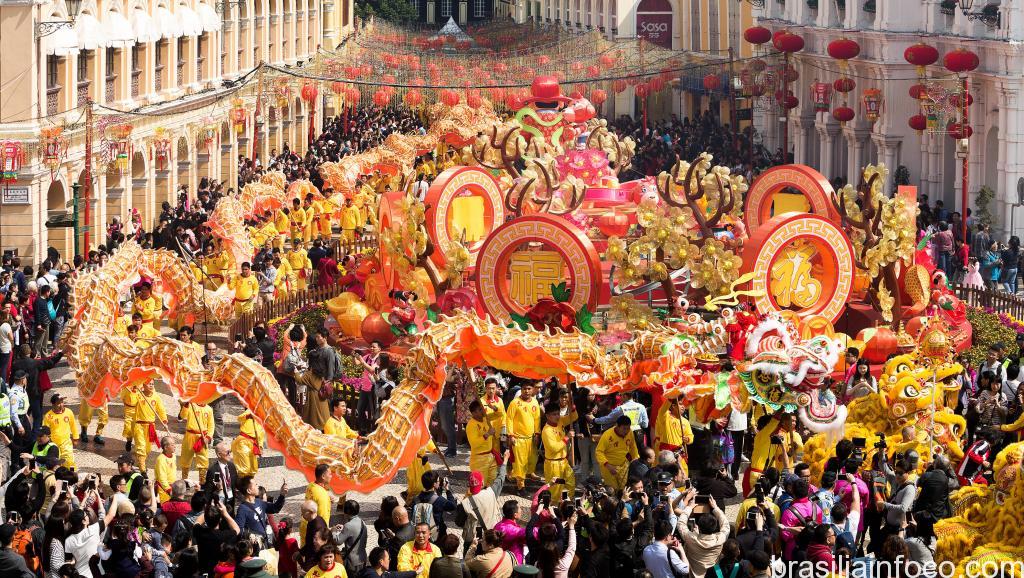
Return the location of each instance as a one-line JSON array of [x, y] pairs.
[[664, 557], [489, 559], [704, 540], [350, 536], [759, 530], [900, 502], [432, 503], [776, 444], [251, 516]]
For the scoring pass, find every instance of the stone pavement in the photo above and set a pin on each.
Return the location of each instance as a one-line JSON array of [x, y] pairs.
[[93, 458]]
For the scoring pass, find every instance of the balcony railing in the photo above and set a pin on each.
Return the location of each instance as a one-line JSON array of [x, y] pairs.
[[83, 93], [136, 81], [108, 88], [52, 99], [181, 73], [158, 78]]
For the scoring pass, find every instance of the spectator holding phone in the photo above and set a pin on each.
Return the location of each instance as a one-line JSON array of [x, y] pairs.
[[665, 558], [703, 544]]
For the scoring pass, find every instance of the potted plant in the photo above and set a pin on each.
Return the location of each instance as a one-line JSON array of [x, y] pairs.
[[947, 7], [869, 6]]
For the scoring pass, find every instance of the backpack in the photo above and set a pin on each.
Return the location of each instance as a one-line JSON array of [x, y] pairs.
[[803, 539], [844, 537], [22, 544], [423, 513]]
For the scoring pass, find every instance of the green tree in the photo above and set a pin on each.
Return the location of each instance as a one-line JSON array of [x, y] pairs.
[[397, 11]]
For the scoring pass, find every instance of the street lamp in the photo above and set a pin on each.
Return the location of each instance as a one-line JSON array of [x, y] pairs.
[[990, 14], [48, 28]]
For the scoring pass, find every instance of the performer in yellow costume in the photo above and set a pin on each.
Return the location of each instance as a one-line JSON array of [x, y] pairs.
[[522, 422], [283, 225], [495, 409], [556, 451], [312, 220], [216, 268], [85, 413], [417, 468], [163, 471], [336, 424], [616, 448], [765, 453], [319, 493], [149, 306], [285, 279], [63, 425], [481, 435], [298, 219], [198, 436], [299, 263], [671, 431], [247, 447], [349, 221], [130, 398], [325, 209], [247, 288], [148, 409]]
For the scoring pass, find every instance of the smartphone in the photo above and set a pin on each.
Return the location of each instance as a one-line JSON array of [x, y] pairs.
[[687, 484], [578, 502], [216, 477], [703, 499], [479, 532], [63, 486], [565, 495]]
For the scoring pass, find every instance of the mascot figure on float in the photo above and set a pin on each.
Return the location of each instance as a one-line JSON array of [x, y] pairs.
[[551, 117]]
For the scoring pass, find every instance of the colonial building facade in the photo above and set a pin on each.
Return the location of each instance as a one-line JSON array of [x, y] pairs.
[[884, 29], [167, 68]]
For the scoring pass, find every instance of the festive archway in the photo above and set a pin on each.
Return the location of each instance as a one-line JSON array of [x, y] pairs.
[[757, 209], [802, 263], [565, 246]]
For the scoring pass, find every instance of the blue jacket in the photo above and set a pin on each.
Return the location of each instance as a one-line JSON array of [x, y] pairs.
[[253, 517]]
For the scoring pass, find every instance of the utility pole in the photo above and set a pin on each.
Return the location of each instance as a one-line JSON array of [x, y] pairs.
[[87, 177], [75, 190]]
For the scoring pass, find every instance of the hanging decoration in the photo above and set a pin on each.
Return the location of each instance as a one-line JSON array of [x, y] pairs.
[[120, 146], [239, 116], [921, 56], [757, 35], [873, 101], [53, 145], [12, 156], [918, 122], [843, 114], [161, 152], [821, 92], [282, 92], [209, 131], [843, 50]]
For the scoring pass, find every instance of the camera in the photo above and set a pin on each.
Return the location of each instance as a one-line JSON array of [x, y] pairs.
[[565, 495], [752, 517], [776, 440], [703, 499], [880, 444], [578, 502], [636, 495]]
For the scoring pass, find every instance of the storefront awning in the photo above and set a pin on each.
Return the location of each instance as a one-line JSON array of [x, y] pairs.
[[209, 17], [117, 30], [145, 29], [188, 21], [90, 32]]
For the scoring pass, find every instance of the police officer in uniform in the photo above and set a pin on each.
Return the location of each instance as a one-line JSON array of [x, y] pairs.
[[9, 424], [44, 451], [134, 479], [20, 406]]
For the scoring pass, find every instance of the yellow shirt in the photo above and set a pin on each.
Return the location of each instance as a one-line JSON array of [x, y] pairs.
[[298, 218], [268, 232], [325, 208], [478, 444], [245, 287], [411, 559], [248, 426], [281, 222], [615, 450], [63, 426], [148, 408], [762, 449], [298, 260], [671, 430], [495, 409], [284, 273], [216, 266], [350, 218], [130, 398], [322, 497], [523, 418], [339, 427], [337, 571], [150, 309], [750, 503], [554, 437], [164, 475], [198, 418]]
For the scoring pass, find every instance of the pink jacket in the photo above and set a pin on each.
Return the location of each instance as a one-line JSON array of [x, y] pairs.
[[514, 538], [805, 508]]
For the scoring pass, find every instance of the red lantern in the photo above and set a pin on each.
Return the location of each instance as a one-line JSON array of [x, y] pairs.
[[918, 122], [449, 97], [598, 96], [309, 92], [576, 66], [619, 85], [958, 131], [593, 71], [844, 85], [822, 95], [607, 60], [579, 91], [643, 90], [757, 35], [498, 94], [918, 91], [712, 83], [473, 100], [960, 61], [790, 74], [791, 102], [921, 55], [758, 65], [500, 67], [843, 114], [657, 84], [843, 49], [543, 60], [757, 90], [873, 101], [337, 87], [613, 223], [352, 96], [789, 43], [381, 97], [413, 98]]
